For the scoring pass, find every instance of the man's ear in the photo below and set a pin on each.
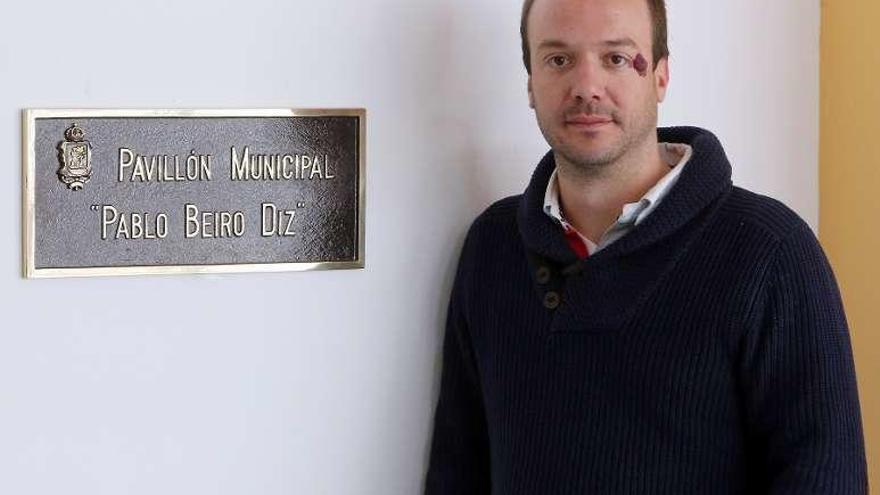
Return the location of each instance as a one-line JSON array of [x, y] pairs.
[[531, 94], [661, 78]]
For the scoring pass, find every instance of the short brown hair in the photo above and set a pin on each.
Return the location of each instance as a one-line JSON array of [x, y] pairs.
[[659, 49]]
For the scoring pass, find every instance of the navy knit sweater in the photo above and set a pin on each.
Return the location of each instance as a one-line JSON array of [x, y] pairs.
[[706, 352]]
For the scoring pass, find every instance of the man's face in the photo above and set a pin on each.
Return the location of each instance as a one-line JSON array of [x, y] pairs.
[[592, 106]]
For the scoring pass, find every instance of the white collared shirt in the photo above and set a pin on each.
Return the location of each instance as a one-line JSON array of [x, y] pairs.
[[675, 154]]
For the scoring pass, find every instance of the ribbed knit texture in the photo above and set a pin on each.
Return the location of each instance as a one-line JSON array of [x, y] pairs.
[[706, 352]]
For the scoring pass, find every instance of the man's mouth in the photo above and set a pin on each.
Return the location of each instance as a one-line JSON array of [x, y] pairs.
[[586, 121]]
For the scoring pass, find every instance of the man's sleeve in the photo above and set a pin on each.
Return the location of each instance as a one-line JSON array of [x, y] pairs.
[[799, 383], [459, 460]]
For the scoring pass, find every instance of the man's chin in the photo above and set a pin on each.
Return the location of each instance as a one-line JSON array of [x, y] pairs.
[[590, 161]]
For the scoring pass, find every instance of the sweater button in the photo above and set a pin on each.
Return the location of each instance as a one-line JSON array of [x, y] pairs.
[[542, 275], [551, 300]]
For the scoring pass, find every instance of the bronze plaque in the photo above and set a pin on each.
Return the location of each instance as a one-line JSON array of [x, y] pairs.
[[116, 192]]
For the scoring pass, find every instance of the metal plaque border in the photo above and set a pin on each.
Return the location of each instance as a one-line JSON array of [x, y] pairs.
[[29, 117]]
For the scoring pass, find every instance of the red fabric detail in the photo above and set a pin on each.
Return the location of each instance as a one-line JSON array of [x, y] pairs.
[[576, 243]]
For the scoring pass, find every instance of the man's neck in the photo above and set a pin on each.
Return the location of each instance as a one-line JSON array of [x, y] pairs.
[[593, 202]]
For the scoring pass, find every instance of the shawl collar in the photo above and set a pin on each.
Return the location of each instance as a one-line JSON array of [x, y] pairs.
[[706, 178]]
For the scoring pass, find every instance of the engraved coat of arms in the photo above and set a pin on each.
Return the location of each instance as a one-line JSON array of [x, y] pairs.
[[75, 155]]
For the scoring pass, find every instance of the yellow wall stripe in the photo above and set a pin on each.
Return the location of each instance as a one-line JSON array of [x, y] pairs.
[[849, 185]]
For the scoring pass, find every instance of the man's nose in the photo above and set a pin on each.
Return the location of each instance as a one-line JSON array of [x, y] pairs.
[[588, 82]]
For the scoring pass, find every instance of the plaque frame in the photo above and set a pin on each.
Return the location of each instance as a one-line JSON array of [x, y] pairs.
[[28, 228]]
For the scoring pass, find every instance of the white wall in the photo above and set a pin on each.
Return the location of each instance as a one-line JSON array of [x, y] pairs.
[[318, 383]]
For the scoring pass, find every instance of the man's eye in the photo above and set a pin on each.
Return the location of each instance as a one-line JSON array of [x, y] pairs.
[[558, 61], [618, 60]]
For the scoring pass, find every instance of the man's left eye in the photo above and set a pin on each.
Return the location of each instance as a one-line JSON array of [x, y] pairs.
[[618, 60]]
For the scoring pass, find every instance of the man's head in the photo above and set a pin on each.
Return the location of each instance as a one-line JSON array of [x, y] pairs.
[[593, 97], [659, 44]]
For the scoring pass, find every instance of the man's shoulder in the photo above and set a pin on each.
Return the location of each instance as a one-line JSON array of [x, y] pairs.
[[763, 216], [496, 225], [501, 211]]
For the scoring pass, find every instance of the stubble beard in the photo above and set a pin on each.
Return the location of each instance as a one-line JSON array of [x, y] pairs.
[[597, 163]]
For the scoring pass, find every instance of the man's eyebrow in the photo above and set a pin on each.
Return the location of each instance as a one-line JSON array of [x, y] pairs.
[[621, 42], [552, 44], [615, 43]]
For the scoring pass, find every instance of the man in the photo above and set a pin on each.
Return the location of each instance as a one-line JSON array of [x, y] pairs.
[[633, 323]]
